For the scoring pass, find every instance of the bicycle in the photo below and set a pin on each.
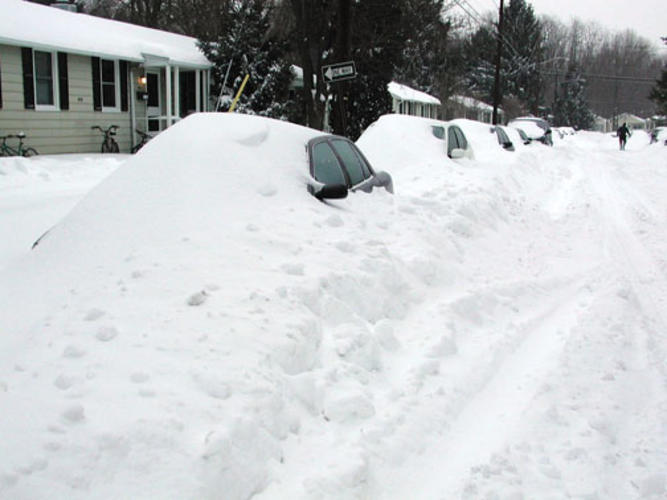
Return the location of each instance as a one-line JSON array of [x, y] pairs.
[[109, 144], [144, 139], [20, 150]]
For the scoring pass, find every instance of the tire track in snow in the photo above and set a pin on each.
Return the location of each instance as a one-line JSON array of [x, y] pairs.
[[490, 413]]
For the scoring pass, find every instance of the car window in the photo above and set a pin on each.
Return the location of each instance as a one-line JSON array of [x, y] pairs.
[[452, 140], [439, 132], [355, 166], [326, 168], [463, 143], [502, 136]]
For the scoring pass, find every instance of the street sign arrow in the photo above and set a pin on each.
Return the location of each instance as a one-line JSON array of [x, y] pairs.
[[339, 71]]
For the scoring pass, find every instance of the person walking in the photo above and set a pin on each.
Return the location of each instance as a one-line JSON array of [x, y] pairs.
[[623, 133]]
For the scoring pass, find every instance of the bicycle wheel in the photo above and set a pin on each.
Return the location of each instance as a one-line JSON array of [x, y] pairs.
[[28, 152]]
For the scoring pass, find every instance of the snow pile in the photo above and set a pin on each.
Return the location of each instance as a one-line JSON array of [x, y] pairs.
[[39, 190], [199, 326]]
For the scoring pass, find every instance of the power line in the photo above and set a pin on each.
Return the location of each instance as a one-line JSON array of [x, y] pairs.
[[607, 77]]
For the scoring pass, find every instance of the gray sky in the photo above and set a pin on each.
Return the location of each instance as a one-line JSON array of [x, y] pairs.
[[648, 18]]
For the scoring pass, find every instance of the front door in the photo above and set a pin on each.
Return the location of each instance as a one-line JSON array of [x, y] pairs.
[[154, 103]]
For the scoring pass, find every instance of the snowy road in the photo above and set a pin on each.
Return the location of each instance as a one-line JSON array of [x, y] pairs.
[[572, 396], [496, 332]]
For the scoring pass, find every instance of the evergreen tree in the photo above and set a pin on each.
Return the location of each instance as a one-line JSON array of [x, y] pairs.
[[480, 52], [522, 54], [423, 64], [659, 92], [245, 41], [571, 106], [377, 35]]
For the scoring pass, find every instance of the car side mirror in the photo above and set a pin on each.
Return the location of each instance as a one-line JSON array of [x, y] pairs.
[[384, 180], [457, 154], [328, 191]]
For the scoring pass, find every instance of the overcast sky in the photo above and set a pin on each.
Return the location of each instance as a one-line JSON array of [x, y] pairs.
[[648, 18]]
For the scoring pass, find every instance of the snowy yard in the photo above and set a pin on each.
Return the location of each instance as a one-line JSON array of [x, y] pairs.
[[497, 328]]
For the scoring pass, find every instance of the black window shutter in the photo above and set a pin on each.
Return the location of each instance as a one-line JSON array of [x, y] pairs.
[[97, 95], [123, 86], [63, 81], [28, 81]]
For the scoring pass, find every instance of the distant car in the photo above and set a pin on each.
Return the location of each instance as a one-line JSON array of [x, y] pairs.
[[456, 143], [537, 129], [503, 138], [524, 137]]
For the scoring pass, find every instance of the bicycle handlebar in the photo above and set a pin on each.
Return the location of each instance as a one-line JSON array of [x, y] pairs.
[[100, 128]]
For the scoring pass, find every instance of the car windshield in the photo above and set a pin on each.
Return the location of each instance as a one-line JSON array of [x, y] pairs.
[[356, 168], [325, 166]]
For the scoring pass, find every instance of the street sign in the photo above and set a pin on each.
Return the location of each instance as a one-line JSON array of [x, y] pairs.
[[339, 71]]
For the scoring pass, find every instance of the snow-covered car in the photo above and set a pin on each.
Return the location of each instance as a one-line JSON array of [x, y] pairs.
[[404, 139], [522, 135], [503, 138], [336, 165], [456, 142], [486, 140], [537, 129]]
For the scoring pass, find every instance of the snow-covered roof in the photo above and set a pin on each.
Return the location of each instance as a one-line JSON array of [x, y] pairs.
[[28, 24], [471, 102], [629, 117], [405, 93]]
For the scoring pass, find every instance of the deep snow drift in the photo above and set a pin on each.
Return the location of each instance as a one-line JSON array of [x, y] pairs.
[[201, 327]]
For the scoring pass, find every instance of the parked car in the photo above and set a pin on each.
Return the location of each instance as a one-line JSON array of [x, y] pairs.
[[503, 138], [222, 156], [524, 137], [537, 129], [456, 144], [404, 141], [337, 166]]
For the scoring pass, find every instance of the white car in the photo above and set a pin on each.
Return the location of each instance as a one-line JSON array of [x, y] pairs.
[[417, 135], [535, 128]]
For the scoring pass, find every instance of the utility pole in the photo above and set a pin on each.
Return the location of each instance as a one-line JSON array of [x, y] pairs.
[[496, 84]]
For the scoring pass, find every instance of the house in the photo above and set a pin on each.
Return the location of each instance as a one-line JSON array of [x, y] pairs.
[[62, 73], [601, 124], [459, 106], [408, 101], [632, 121]]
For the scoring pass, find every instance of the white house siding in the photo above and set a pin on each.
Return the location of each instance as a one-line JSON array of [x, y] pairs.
[[58, 131]]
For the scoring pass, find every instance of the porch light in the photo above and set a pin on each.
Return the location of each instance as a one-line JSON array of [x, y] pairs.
[[141, 81]]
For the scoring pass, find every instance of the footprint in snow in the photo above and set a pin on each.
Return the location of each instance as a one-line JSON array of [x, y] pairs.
[[93, 315], [267, 190], [73, 352], [106, 333], [198, 298], [335, 221], [64, 382], [139, 377], [74, 414], [293, 269], [345, 247]]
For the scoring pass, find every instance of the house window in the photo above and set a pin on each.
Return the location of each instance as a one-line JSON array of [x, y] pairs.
[[46, 79], [108, 85]]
